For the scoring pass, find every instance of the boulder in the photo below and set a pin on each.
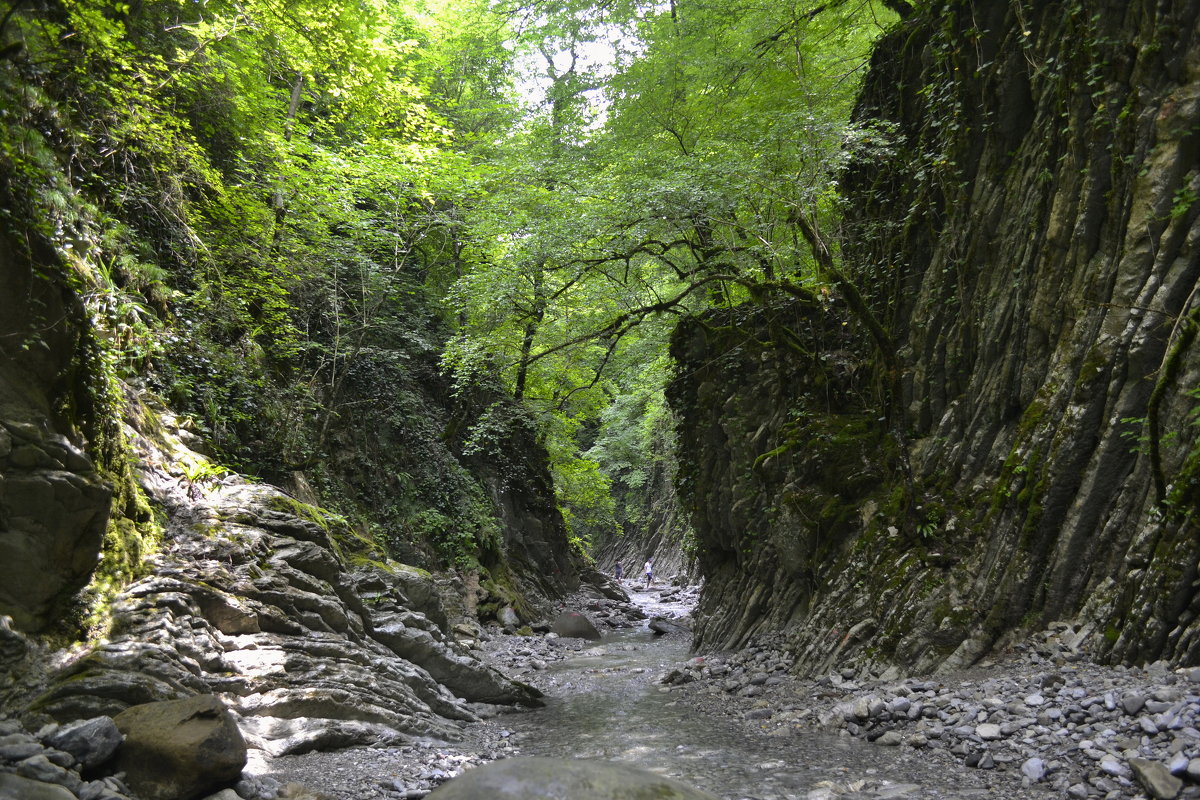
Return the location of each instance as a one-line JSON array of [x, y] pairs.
[[572, 624], [507, 616], [410, 636], [1154, 777], [50, 537], [53, 505], [179, 749], [661, 625], [90, 741], [559, 779]]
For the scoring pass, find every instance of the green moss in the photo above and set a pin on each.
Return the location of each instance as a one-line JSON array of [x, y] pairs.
[[314, 514], [501, 590], [133, 532]]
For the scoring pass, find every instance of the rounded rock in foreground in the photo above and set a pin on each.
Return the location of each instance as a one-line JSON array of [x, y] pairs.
[[558, 779]]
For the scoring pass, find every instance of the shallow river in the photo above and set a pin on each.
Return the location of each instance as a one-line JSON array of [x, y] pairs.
[[605, 704]]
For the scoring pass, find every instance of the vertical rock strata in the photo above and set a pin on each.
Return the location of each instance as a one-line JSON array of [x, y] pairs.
[[1029, 237]]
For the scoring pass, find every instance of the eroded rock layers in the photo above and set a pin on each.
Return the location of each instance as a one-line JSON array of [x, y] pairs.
[[1024, 226], [253, 598]]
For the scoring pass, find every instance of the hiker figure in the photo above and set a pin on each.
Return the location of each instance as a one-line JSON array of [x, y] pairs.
[[620, 573], [649, 573]]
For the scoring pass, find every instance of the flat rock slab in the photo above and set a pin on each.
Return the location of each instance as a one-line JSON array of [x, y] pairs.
[[558, 779]]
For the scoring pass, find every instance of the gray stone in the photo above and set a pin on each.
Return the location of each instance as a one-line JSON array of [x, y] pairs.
[[507, 616], [988, 731], [28, 457], [92, 790], [412, 637], [90, 741], [1133, 703], [14, 787], [13, 644], [560, 779], [572, 624], [55, 522], [39, 768], [179, 748], [252, 786], [660, 626], [1034, 769], [1155, 778], [61, 449], [890, 739], [19, 750]]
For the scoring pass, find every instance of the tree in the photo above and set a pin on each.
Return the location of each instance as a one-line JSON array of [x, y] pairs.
[[706, 176]]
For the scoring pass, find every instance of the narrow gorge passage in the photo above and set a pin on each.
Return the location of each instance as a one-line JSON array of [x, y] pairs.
[[607, 703]]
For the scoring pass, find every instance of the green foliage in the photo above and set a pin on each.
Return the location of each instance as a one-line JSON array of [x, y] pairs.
[[669, 159], [276, 210], [258, 201]]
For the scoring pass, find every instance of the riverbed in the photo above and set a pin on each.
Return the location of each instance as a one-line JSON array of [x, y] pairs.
[[606, 703], [605, 700]]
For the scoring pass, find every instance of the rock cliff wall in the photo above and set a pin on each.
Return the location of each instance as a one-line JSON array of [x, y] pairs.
[[53, 504], [1028, 234]]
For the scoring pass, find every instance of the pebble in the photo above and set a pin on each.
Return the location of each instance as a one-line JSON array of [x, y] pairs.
[[988, 731], [1034, 769]]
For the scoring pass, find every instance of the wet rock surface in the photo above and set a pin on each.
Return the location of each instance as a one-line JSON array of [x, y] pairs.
[[563, 779], [1042, 722], [741, 727]]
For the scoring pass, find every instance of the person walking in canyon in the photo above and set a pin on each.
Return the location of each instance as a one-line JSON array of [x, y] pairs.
[[649, 569]]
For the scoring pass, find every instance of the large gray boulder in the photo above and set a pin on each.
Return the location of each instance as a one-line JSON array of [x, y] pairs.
[[557, 779], [573, 625], [179, 749]]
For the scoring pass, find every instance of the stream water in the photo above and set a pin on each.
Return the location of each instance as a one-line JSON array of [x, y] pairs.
[[605, 703]]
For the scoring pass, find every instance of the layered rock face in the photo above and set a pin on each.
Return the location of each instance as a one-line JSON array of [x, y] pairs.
[[253, 598], [53, 505], [1028, 237]]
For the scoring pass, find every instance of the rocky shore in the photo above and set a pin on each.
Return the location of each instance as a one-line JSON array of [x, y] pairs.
[[1042, 717]]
